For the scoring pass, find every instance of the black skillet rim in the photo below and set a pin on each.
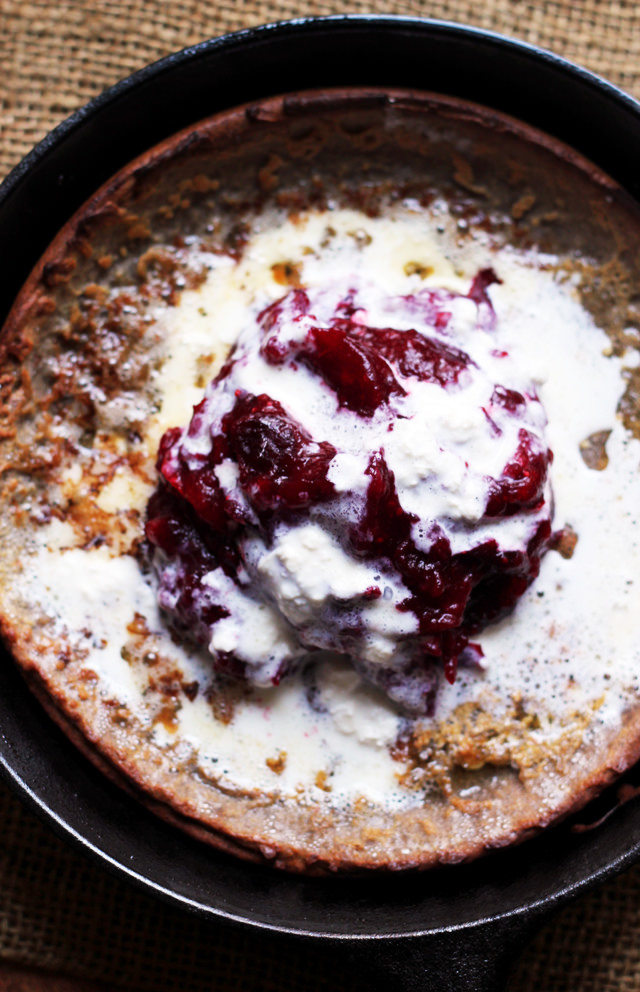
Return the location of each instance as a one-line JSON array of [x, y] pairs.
[[39, 762]]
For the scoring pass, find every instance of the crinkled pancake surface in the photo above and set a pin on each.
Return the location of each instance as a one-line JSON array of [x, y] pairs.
[[135, 308]]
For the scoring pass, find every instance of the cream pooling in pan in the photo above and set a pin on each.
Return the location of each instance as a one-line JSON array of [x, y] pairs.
[[544, 330]]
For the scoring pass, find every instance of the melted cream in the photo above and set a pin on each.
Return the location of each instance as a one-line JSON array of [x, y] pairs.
[[572, 643]]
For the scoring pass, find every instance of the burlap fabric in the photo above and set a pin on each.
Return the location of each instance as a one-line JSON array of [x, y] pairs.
[[57, 910]]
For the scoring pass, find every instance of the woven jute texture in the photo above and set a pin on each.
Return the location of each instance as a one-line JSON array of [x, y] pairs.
[[57, 910], [56, 56]]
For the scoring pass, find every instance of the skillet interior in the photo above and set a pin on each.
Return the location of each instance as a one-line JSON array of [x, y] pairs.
[[41, 763], [80, 803]]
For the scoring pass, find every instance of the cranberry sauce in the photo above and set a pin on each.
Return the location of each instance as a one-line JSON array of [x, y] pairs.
[[370, 473]]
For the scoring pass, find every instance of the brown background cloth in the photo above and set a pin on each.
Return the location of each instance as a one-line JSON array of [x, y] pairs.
[[59, 911]]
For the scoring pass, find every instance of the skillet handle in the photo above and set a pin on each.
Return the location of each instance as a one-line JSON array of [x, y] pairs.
[[477, 959]]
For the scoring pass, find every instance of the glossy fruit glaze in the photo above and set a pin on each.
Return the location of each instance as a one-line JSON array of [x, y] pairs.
[[247, 474]]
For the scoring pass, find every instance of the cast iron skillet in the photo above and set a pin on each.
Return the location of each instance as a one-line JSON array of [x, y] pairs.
[[455, 928]]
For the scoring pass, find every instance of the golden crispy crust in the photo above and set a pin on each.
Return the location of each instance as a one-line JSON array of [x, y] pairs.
[[82, 339]]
